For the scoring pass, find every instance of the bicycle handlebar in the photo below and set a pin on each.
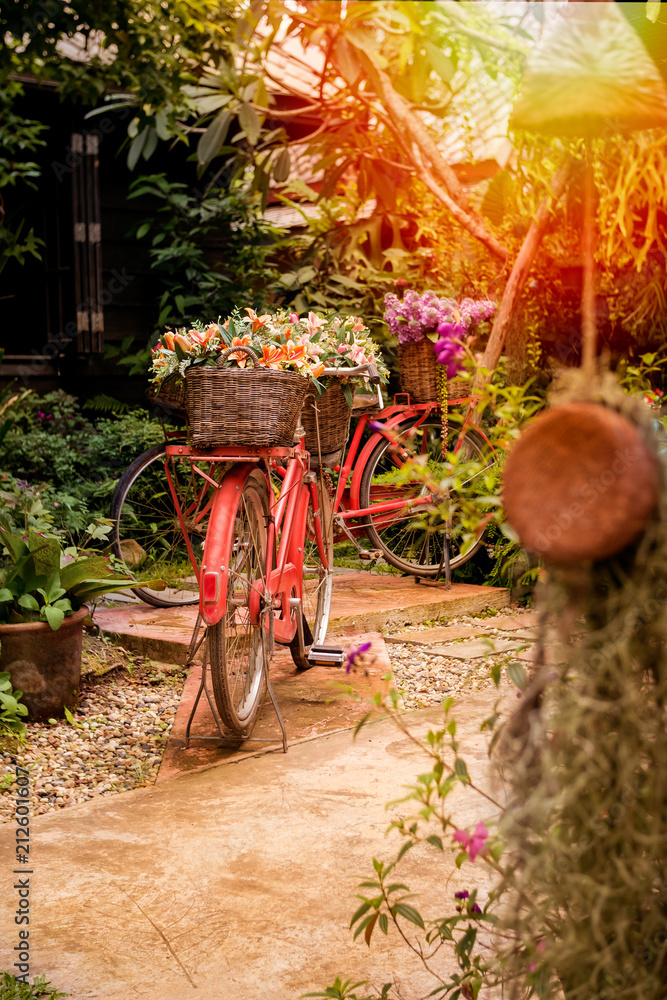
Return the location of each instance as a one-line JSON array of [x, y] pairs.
[[369, 369]]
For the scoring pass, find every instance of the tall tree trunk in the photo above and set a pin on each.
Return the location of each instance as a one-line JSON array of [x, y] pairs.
[[521, 269]]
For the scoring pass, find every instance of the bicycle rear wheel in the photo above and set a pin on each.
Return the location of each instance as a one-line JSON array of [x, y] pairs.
[[317, 578], [412, 539], [236, 651], [147, 535]]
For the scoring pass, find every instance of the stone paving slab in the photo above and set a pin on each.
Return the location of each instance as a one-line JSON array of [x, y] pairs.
[[473, 650], [361, 602], [237, 883], [312, 702]]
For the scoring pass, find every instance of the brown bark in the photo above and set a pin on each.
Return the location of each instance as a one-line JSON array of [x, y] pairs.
[[436, 173], [588, 325], [521, 269]]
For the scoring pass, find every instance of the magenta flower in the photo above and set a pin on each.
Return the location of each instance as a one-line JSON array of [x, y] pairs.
[[472, 843], [354, 654], [541, 946], [463, 894]]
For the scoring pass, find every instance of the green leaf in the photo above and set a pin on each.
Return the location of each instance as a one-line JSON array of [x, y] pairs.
[[409, 913], [6, 595], [143, 229], [28, 602], [213, 138], [517, 674], [45, 553], [347, 60], [358, 914], [250, 122], [461, 770], [383, 923], [69, 716], [281, 168], [440, 62], [136, 148], [54, 617], [83, 570]]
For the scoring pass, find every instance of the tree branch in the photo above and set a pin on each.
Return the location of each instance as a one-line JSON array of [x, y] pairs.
[[521, 268]]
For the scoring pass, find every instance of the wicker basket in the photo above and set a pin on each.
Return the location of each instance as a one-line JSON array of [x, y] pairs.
[[418, 369], [246, 406], [333, 420], [170, 395]]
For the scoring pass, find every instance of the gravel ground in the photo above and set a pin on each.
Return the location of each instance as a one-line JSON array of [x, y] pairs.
[[424, 678], [115, 742], [128, 704]]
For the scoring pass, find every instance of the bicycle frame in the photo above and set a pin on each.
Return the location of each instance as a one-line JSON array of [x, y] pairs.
[[286, 530], [393, 416]]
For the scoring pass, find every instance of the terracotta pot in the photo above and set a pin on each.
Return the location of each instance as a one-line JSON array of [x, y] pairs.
[[44, 664], [580, 484]]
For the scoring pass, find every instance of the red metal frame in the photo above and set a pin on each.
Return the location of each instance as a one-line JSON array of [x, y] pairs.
[[283, 576]]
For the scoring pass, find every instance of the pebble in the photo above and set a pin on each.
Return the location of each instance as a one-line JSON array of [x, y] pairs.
[[425, 678], [116, 744]]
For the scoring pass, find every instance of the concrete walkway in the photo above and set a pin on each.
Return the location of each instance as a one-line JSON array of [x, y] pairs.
[[237, 882]]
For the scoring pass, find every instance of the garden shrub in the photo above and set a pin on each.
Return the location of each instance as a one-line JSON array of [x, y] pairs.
[[69, 463]]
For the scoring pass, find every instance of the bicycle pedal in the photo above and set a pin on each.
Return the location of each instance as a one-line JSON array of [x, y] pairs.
[[369, 554], [326, 656]]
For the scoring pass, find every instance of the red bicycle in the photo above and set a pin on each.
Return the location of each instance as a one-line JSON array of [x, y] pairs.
[[153, 541], [266, 575]]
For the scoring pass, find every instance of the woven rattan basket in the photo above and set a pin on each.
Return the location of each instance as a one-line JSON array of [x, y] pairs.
[[246, 406], [418, 367], [333, 420], [170, 395]]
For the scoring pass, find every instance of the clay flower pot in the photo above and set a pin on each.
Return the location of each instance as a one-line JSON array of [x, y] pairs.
[[44, 664], [580, 484]]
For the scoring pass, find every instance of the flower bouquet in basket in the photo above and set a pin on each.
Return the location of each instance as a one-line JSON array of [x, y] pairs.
[[432, 331], [246, 378]]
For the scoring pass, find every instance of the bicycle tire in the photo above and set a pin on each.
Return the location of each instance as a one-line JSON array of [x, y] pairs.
[[235, 647], [143, 513], [411, 547], [317, 582]]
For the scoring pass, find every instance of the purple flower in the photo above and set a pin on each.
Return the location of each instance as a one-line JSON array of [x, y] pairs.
[[354, 654], [414, 315], [449, 354], [463, 894], [375, 425], [22, 484]]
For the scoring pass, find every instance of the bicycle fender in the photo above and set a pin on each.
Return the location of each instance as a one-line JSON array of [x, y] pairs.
[[219, 540]]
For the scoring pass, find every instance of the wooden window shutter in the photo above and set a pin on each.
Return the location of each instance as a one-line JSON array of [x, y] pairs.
[[87, 244]]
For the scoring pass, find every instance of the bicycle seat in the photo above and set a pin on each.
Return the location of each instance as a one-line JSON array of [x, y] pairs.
[[364, 404]]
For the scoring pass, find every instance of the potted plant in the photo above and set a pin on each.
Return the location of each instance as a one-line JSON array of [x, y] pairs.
[[44, 593], [416, 321]]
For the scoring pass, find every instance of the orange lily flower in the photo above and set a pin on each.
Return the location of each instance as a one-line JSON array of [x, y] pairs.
[[318, 369], [257, 321], [241, 358], [183, 342], [169, 341], [272, 357]]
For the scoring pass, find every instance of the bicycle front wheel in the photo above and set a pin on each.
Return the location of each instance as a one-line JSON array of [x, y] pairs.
[[235, 647], [412, 538], [317, 574]]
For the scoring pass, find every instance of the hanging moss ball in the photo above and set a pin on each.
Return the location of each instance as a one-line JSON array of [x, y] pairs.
[[580, 484]]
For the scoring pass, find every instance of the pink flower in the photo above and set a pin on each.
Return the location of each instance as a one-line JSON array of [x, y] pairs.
[[294, 317], [314, 323], [541, 946], [472, 843]]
